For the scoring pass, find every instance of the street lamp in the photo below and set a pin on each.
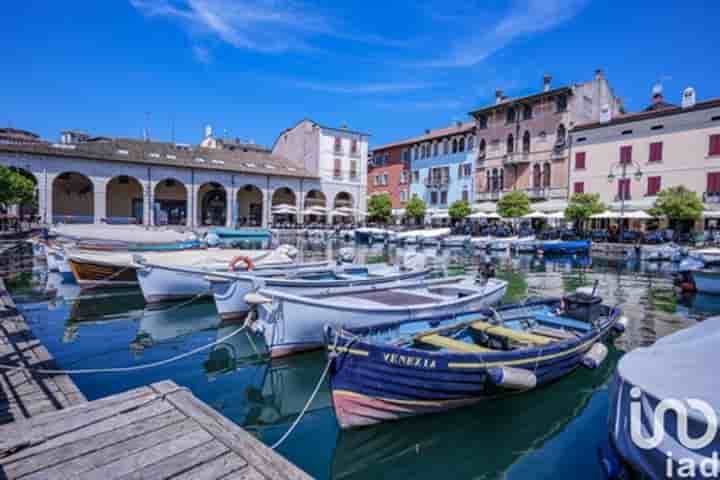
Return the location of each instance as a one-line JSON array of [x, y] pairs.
[[620, 172]]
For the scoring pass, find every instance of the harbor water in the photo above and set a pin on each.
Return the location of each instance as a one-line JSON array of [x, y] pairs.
[[550, 433]]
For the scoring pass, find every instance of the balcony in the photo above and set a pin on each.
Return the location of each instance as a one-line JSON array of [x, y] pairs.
[[437, 182]]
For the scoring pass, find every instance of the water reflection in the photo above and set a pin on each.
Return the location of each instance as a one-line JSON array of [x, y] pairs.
[[496, 439]]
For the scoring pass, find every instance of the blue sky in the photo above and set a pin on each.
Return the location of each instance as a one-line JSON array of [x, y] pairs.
[[390, 68]]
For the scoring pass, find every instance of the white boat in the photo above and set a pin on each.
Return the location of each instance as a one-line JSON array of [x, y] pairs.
[[167, 282], [129, 234], [501, 243], [524, 244], [292, 323], [367, 234], [663, 253], [430, 236], [229, 290], [51, 258], [706, 254], [481, 243], [454, 241]]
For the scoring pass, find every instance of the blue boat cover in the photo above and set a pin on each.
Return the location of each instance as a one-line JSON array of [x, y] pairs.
[[683, 365]]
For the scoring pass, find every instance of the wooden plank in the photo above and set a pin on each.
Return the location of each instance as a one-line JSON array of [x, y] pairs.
[[500, 331], [249, 473], [227, 432], [24, 465], [148, 456], [92, 432], [180, 463], [451, 344], [224, 465], [118, 451], [31, 432]]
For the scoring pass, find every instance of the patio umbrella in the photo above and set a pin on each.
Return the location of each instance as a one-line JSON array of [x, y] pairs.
[[340, 213], [556, 215], [535, 215], [638, 215], [606, 214], [478, 215], [284, 206]]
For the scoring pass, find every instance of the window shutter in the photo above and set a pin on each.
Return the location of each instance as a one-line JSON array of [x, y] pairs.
[[653, 186], [580, 160], [656, 149], [579, 187], [714, 145], [713, 182], [626, 154]]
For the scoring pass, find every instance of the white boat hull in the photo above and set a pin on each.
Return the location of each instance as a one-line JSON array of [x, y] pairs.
[[168, 284], [51, 260], [230, 296], [292, 324]]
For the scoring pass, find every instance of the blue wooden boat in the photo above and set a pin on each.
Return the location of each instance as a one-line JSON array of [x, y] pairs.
[[564, 247], [432, 365], [236, 236]]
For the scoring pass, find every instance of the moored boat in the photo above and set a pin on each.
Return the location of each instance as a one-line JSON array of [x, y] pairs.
[[367, 234], [293, 323], [229, 291], [427, 365], [456, 241], [706, 280], [564, 247]]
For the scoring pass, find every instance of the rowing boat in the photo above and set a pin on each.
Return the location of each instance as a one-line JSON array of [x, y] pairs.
[[440, 362], [291, 323]]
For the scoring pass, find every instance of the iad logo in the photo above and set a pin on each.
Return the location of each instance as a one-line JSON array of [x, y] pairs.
[[708, 467]]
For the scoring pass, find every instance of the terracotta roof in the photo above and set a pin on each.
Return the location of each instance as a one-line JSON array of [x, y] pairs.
[[169, 154], [511, 101], [437, 133], [646, 115]]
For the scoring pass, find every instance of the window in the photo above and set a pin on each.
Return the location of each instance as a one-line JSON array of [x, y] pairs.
[[471, 142], [446, 146], [435, 149], [561, 103], [454, 145], [526, 142], [433, 198], [337, 168], [353, 169], [527, 112], [443, 197], [354, 146], [510, 115], [713, 183], [404, 176], [338, 144], [482, 122], [657, 127], [624, 189], [385, 179], [626, 132], [510, 143], [465, 196], [626, 154], [714, 145], [537, 175], [416, 176], [377, 181], [656, 151], [403, 196], [581, 139], [653, 186], [580, 161], [461, 145], [546, 175], [579, 187], [560, 139]]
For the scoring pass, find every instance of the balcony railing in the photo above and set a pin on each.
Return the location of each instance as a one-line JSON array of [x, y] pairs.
[[436, 182]]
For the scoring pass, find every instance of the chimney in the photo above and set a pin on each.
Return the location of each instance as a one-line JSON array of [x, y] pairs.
[[599, 74], [657, 96], [547, 78], [688, 98], [458, 123], [498, 96], [427, 131]]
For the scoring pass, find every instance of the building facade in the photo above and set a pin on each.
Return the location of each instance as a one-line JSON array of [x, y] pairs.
[[337, 156], [523, 142], [663, 146], [389, 173]]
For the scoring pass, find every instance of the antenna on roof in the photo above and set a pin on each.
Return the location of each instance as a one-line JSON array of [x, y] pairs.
[[172, 127], [146, 133]]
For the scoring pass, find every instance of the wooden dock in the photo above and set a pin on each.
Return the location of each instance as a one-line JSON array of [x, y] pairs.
[[161, 431]]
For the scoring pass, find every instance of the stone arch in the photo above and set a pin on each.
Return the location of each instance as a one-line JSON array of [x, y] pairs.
[[461, 144], [343, 205], [510, 143], [546, 174], [315, 201], [73, 198], [124, 200], [250, 206], [170, 202], [212, 204]]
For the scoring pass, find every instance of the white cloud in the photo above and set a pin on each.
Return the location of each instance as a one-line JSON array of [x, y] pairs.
[[266, 26], [524, 18], [368, 88]]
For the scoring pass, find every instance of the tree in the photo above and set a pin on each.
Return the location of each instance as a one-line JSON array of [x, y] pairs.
[[581, 207], [15, 188], [459, 210], [514, 205], [416, 209], [380, 208], [678, 204]]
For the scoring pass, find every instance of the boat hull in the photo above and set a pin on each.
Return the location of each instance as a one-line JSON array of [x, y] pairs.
[[706, 282], [230, 295], [374, 383], [292, 324], [565, 248], [167, 284], [96, 275]]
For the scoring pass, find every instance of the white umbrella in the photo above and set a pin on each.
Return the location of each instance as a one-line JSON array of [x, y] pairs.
[[535, 215], [711, 214], [606, 214], [284, 206], [556, 215], [492, 215], [638, 215], [478, 215], [340, 213], [285, 211]]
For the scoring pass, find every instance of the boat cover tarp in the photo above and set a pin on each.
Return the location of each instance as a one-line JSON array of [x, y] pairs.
[[211, 257], [135, 234], [683, 365]]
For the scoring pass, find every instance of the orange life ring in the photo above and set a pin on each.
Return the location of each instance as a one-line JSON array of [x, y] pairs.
[[249, 265]]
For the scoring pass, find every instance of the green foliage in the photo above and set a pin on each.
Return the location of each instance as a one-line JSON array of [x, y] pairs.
[[15, 188], [459, 210], [415, 209], [380, 208], [582, 206], [514, 204], [678, 204]]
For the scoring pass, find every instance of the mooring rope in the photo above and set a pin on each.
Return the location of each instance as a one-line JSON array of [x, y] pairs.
[[132, 368]]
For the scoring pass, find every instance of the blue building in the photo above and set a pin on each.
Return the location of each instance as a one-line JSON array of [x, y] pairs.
[[442, 165]]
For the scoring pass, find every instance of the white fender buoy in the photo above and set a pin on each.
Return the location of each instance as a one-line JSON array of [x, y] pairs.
[[254, 298], [513, 378], [595, 356], [621, 324]]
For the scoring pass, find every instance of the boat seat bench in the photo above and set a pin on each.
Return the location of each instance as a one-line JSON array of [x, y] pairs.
[[500, 331], [451, 344]]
